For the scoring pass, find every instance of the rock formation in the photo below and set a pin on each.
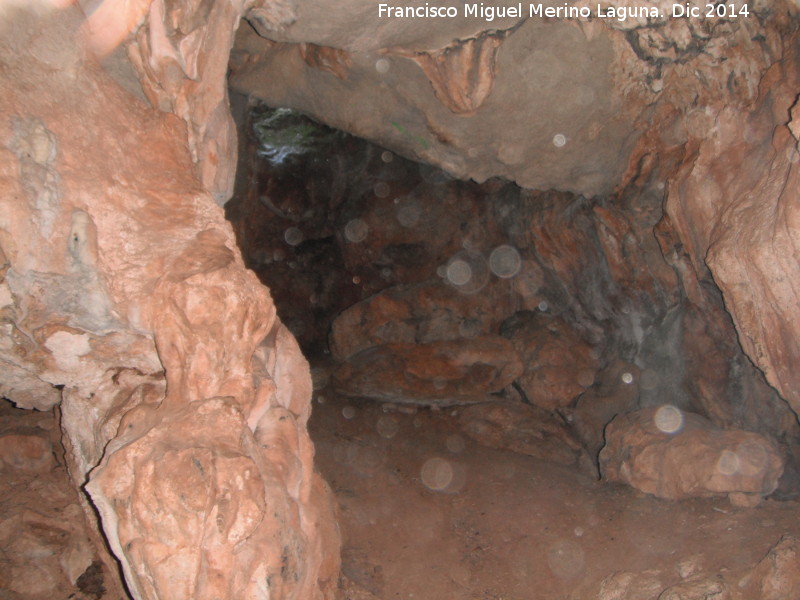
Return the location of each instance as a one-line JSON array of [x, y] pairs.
[[184, 400], [635, 210], [627, 277], [773, 577], [673, 454]]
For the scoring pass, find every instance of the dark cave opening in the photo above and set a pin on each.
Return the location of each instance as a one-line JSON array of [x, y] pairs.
[[407, 286], [477, 348]]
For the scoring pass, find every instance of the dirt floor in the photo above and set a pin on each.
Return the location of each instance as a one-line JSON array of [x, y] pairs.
[[427, 513]]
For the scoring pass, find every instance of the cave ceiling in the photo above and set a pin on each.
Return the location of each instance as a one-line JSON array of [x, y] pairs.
[[550, 103]]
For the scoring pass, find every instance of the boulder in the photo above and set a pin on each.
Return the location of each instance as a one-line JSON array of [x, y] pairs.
[[674, 454], [615, 392]]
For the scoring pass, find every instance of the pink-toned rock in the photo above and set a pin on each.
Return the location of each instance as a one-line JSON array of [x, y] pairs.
[[558, 364], [443, 373], [121, 284], [175, 511], [777, 576], [698, 588], [123, 296], [624, 585], [736, 220], [180, 54], [674, 454]]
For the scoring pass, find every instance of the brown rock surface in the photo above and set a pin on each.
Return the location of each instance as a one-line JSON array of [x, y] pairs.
[[703, 98], [46, 545], [423, 313], [439, 91], [624, 585], [772, 578], [437, 373], [700, 588], [730, 203], [616, 392], [594, 267], [673, 454], [558, 364], [528, 430], [777, 576]]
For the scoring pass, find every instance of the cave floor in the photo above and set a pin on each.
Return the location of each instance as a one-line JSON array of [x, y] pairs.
[[427, 513]]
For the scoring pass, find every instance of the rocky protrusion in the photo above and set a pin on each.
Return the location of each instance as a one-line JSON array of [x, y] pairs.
[[184, 401], [524, 429], [437, 373], [674, 454], [777, 576], [462, 75], [333, 60], [558, 364], [427, 312], [180, 54]]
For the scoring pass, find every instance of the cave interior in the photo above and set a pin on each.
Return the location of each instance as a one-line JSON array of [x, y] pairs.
[[304, 302]]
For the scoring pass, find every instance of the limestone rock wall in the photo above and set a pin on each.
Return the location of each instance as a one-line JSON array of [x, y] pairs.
[[743, 219], [185, 399], [449, 105], [701, 103], [179, 54], [400, 265], [124, 297]]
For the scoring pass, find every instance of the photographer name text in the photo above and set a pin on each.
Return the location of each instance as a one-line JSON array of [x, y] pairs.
[[489, 12]]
